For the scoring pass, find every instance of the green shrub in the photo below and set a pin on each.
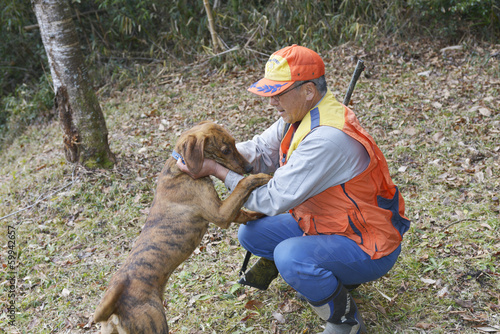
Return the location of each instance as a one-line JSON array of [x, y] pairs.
[[454, 18], [117, 34], [26, 105], [21, 51]]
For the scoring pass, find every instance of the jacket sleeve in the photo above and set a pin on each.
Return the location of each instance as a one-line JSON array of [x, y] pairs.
[[325, 158]]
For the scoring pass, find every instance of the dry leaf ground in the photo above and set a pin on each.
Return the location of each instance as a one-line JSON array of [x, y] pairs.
[[433, 110]]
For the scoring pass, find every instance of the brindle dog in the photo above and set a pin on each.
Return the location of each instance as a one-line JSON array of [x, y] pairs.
[[179, 217]]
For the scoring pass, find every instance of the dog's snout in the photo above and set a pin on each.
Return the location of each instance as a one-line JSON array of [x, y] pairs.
[[248, 168]]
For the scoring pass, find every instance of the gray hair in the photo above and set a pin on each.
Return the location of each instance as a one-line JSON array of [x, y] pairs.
[[320, 84]]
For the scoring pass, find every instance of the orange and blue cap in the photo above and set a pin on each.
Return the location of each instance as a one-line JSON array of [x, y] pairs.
[[284, 67]]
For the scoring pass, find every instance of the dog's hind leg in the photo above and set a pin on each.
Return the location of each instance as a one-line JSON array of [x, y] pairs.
[[109, 302]]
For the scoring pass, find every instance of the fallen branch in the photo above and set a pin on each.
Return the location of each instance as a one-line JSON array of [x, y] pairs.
[[459, 221], [235, 48], [205, 59], [44, 198], [258, 52]]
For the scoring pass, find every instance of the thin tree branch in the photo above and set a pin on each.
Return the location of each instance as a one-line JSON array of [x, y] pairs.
[[36, 26], [459, 221], [38, 200]]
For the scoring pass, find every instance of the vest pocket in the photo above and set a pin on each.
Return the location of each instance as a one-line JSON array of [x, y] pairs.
[[400, 223], [353, 226]]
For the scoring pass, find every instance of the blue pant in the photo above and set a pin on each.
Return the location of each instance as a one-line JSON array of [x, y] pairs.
[[312, 265]]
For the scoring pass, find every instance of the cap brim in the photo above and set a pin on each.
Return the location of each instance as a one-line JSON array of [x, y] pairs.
[[266, 87]]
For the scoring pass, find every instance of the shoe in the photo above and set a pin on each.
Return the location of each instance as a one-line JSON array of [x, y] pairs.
[[340, 312], [262, 273], [332, 328]]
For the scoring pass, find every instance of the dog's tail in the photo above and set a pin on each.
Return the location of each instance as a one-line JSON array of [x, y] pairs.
[[108, 303]]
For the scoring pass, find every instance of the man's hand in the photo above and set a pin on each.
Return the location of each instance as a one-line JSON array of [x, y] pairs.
[[210, 167]]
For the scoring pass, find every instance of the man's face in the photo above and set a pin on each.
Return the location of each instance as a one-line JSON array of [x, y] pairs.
[[293, 104]]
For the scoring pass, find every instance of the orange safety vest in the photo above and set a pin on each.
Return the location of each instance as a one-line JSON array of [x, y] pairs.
[[368, 208]]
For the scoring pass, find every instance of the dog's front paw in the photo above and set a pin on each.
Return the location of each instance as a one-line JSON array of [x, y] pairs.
[[258, 180], [245, 216], [253, 215]]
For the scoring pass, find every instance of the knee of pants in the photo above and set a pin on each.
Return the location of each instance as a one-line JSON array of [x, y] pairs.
[[261, 236], [301, 271], [251, 238], [285, 258], [245, 236]]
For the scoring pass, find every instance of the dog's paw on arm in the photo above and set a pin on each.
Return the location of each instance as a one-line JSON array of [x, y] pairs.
[[253, 215], [245, 216], [255, 180]]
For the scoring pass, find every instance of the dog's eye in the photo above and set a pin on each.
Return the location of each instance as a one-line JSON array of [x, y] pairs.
[[226, 151]]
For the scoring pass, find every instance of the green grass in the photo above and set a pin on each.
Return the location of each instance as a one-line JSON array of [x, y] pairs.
[[444, 157]]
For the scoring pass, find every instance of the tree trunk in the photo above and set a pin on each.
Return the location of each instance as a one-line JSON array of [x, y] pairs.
[[82, 121]]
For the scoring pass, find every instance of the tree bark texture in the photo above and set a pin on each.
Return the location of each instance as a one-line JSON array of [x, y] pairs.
[[82, 120]]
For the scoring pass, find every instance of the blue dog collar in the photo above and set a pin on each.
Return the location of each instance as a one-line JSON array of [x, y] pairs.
[[177, 156]]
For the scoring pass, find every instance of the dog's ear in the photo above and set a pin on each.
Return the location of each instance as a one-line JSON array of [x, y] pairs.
[[193, 148]]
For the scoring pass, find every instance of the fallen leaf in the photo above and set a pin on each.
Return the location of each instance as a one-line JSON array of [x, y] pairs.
[[479, 176], [480, 318], [249, 316], [438, 136], [200, 297], [450, 48], [254, 305], [175, 319], [423, 325], [425, 73], [381, 309], [279, 317], [443, 176], [464, 303], [411, 131], [443, 292], [65, 292], [489, 329], [428, 281], [290, 306], [487, 226], [484, 111], [488, 98]]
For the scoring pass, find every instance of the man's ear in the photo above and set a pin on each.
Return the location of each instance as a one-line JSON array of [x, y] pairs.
[[192, 152], [310, 91]]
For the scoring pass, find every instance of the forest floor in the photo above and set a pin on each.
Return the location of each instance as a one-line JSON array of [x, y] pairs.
[[433, 109]]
